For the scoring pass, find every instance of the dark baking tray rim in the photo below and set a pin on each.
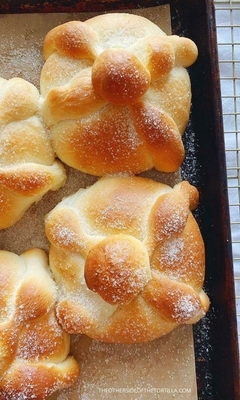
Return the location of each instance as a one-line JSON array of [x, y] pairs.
[[216, 339]]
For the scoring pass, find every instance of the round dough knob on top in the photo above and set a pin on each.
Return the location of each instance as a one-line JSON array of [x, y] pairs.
[[116, 94], [128, 258]]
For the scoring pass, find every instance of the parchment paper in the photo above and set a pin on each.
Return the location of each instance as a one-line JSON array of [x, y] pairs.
[[161, 369]]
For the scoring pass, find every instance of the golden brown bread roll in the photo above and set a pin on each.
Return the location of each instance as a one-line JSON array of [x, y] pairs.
[[28, 168], [116, 94], [34, 350], [128, 258]]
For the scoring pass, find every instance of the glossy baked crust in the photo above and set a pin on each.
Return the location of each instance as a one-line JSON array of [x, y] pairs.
[[34, 349], [128, 258], [28, 168], [116, 94]]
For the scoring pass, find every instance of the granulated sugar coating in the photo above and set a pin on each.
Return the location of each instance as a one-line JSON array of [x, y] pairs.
[[134, 372], [31, 225], [16, 58], [163, 368], [128, 110], [34, 347]]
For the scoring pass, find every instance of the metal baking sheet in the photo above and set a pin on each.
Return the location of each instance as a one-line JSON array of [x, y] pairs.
[[215, 337]]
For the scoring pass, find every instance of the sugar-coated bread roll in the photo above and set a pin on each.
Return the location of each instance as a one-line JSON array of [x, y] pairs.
[[34, 349], [128, 258], [28, 169], [116, 94]]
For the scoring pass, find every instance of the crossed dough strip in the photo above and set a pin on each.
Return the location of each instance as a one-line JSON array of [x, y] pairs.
[[34, 360], [128, 258], [28, 169], [116, 94]]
